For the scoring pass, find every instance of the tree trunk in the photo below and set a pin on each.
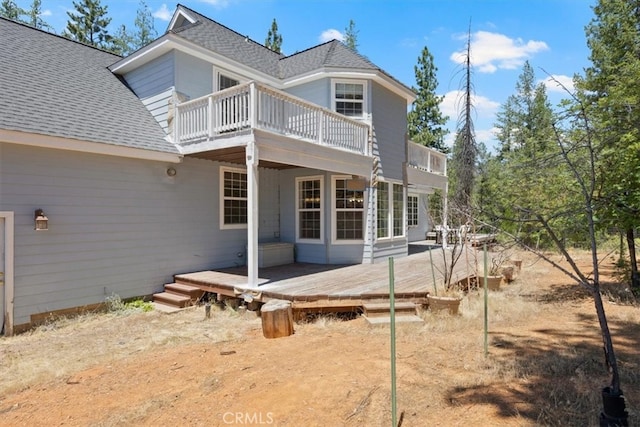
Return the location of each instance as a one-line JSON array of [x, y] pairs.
[[635, 277], [277, 319]]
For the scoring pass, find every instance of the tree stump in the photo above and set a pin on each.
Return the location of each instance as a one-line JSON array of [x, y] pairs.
[[277, 319]]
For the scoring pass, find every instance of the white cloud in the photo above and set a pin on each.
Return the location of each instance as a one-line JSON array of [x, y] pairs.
[[559, 83], [483, 106], [163, 14], [493, 51], [46, 12], [331, 34]]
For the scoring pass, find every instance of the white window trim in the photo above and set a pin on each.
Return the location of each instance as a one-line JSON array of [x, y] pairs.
[[224, 226], [417, 196], [334, 216], [297, 198], [390, 237], [403, 215], [216, 77], [365, 97]]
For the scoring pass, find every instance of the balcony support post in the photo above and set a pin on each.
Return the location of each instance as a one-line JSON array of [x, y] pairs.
[[252, 213]]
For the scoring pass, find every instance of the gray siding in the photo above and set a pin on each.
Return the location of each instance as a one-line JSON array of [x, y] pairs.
[[394, 248], [154, 83], [153, 78], [389, 118], [158, 105], [194, 77], [318, 92], [116, 225]]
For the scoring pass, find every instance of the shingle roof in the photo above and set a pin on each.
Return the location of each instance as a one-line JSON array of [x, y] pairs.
[[231, 44], [218, 38], [53, 86]]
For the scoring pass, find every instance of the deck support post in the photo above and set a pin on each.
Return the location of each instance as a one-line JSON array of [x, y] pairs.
[[252, 213]]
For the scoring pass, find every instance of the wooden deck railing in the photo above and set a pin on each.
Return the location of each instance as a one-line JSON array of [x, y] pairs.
[[427, 159], [253, 105]]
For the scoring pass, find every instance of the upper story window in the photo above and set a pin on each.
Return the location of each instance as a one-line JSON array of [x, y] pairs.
[[225, 82], [349, 97]]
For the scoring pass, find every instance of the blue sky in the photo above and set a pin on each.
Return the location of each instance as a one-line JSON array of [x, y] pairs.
[[504, 33]]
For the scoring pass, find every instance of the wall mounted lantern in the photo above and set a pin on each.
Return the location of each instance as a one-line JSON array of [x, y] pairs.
[[41, 220]]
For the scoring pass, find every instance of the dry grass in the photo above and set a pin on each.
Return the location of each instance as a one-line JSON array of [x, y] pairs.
[[62, 347], [544, 364]]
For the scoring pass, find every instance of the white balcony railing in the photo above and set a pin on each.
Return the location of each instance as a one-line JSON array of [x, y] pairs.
[[257, 106], [427, 159]]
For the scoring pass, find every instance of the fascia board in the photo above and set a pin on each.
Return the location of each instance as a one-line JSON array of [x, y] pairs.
[[60, 143]]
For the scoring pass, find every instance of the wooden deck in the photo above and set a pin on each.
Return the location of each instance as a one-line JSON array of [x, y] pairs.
[[336, 288]]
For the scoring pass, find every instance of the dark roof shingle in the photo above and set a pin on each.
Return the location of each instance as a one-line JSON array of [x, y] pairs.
[[54, 86]]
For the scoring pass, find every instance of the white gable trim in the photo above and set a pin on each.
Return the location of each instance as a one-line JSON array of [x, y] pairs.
[[56, 142], [180, 13]]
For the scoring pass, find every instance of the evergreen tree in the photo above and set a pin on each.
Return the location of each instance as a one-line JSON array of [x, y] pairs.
[[274, 39], [9, 9], [89, 24], [351, 36], [612, 85], [145, 31], [425, 120], [122, 42], [35, 16], [465, 152], [524, 174]]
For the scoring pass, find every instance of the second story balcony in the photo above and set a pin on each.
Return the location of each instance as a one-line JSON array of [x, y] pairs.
[[254, 106], [426, 167]]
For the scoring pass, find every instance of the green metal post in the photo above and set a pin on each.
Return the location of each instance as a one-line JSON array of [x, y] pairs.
[[392, 309], [486, 306]]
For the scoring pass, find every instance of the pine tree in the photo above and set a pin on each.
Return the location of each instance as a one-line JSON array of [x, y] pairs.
[[465, 151], [351, 36], [274, 39], [122, 42], [145, 31], [89, 24], [425, 120], [35, 16], [9, 9], [612, 85]]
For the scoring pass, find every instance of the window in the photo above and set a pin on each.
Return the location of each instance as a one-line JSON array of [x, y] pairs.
[[233, 184], [383, 210], [390, 210], [412, 211], [398, 210], [348, 206], [225, 82], [349, 98], [309, 209]]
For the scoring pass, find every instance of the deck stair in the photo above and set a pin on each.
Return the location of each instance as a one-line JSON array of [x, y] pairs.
[[178, 295], [379, 313]]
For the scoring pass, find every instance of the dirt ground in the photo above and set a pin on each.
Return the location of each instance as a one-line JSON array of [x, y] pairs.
[[544, 366]]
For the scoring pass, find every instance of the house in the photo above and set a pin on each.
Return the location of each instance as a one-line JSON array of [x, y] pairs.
[[202, 150]]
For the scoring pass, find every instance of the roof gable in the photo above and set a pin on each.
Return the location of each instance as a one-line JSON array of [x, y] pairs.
[[217, 38]]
